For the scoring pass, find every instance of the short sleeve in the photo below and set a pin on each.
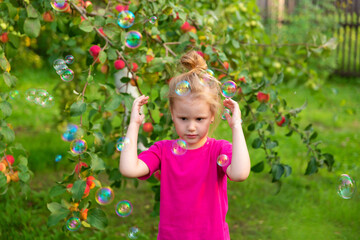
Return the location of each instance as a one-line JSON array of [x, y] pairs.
[[226, 149], [152, 158]]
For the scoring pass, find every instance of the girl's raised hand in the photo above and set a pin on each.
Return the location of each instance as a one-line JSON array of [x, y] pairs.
[[235, 119], [136, 116]]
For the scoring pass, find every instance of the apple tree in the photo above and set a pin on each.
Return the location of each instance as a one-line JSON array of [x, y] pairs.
[[228, 34]]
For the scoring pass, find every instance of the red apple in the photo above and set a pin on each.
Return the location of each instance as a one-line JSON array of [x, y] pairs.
[[135, 67], [281, 122], [87, 4], [4, 37], [149, 58], [95, 50], [2, 167], [101, 30], [193, 29], [86, 192], [104, 69], [148, 127], [119, 64], [83, 214], [90, 182], [186, 27], [226, 65], [242, 79], [79, 166], [48, 16], [177, 17], [221, 76], [68, 187], [9, 159], [263, 97], [120, 8], [200, 53]]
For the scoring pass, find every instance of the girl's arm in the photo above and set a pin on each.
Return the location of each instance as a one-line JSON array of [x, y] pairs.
[[239, 169], [130, 165]]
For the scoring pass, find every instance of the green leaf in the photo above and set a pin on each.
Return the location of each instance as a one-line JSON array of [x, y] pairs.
[[270, 144], [111, 53], [256, 143], [164, 91], [259, 167], [262, 107], [86, 26], [288, 170], [77, 108], [311, 167], [97, 218], [97, 164], [251, 127], [114, 103], [14, 40], [9, 79], [58, 213], [3, 179], [298, 110], [78, 190], [32, 12], [32, 27], [6, 108], [8, 134], [4, 64], [329, 160], [102, 56], [313, 136], [24, 176], [277, 170], [57, 190]]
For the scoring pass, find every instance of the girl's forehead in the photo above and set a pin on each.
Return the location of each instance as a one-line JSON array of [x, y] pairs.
[[191, 105]]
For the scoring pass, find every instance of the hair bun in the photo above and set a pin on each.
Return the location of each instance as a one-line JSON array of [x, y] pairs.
[[193, 61]]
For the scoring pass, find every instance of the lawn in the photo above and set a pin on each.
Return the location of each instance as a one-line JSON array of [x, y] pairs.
[[306, 207]]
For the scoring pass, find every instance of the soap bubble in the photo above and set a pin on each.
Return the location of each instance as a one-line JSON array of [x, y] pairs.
[[104, 196], [67, 75], [41, 96], [228, 89], [58, 64], [133, 233], [179, 147], [73, 224], [30, 94], [122, 143], [126, 19], [346, 186], [182, 88], [123, 208], [226, 110], [210, 72], [69, 59], [14, 94], [222, 160], [133, 39], [58, 158], [153, 20], [60, 5], [78, 146], [71, 132], [61, 69]]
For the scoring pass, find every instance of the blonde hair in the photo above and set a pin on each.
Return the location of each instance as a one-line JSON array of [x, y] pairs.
[[202, 84]]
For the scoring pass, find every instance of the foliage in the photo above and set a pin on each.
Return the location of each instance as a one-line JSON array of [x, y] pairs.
[[228, 35]]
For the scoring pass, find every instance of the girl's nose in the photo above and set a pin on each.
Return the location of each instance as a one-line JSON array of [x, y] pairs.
[[191, 126]]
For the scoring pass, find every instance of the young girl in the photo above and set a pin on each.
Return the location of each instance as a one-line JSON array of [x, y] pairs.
[[193, 192]]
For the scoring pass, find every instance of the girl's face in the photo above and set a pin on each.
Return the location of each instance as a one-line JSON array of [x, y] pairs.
[[192, 119]]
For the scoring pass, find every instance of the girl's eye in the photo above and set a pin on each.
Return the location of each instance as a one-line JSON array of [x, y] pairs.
[[199, 119], [183, 119]]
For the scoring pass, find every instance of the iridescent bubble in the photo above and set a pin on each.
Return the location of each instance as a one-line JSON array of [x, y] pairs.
[[222, 160], [179, 147], [67, 75], [61, 69], [60, 5], [78, 146], [30, 94], [70, 133], [226, 110], [104, 196], [73, 224], [347, 187], [228, 89], [183, 88], [14, 94], [123, 208], [210, 72], [133, 233], [133, 39], [49, 102], [58, 158], [58, 64], [41, 96], [126, 19], [153, 19], [69, 59], [122, 143]]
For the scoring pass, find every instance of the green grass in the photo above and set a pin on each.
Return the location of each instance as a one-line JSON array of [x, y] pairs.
[[307, 207]]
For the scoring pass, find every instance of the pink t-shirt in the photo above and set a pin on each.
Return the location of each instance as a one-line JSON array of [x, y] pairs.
[[193, 192]]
